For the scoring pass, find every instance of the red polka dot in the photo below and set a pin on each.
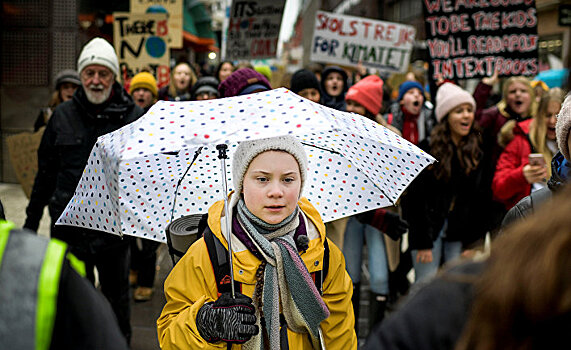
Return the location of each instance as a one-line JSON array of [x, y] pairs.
[[298, 126], [207, 136]]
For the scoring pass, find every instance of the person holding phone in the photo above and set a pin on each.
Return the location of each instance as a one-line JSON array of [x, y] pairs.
[[522, 166], [560, 170]]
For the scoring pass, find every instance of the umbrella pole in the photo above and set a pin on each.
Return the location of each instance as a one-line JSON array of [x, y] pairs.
[[222, 148]]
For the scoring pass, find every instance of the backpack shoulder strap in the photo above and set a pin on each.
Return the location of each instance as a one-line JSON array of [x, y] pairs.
[[325, 258], [220, 263], [319, 276]]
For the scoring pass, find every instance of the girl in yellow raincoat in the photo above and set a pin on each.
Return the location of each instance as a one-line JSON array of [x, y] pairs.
[[278, 305]]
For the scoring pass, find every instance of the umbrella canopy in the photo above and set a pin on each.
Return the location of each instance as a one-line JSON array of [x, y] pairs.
[[165, 165]]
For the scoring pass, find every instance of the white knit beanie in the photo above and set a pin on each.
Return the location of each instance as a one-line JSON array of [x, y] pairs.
[[562, 127], [448, 97], [248, 150], [98, 51]]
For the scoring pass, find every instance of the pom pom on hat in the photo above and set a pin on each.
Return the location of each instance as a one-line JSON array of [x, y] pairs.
[[450, 96], [368, 92], [248, 150], [144, 80], [303, 79], [67, 76], [562, 127], [238, 82], [265, 71], [98, 51], [407, 85]]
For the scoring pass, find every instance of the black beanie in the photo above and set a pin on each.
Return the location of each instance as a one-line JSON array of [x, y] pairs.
[[303, 79]]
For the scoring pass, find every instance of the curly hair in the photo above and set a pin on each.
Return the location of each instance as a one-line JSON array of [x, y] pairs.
[[469, 150]]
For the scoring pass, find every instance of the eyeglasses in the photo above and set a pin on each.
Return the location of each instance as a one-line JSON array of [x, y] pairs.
[[89, 73]]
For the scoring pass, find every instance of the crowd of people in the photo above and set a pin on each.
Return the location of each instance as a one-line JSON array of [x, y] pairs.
[[299, 285]]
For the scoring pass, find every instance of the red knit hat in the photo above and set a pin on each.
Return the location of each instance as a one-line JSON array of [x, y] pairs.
[[368, 92]]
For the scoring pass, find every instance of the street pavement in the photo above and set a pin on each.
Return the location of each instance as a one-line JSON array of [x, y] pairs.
[[143, 314]]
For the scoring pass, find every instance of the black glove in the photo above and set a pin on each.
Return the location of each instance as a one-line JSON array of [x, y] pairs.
[[232, 320], [393, 225]]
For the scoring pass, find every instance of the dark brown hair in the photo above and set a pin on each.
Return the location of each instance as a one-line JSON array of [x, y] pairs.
[[468, 151], [523, 298]]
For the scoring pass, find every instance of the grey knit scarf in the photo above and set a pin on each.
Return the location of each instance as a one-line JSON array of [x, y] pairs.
[[286, 278]]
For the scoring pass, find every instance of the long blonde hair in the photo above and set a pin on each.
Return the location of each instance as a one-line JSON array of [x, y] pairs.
[[538, 127]]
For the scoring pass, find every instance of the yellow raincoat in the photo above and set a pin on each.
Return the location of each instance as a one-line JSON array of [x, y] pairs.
[[192, 283]]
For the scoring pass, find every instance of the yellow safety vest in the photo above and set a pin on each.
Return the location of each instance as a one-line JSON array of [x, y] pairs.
[[30, 269]]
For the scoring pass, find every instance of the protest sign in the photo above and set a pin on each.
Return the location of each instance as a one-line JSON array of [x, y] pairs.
[[173, 9], [348, 40], [474, 38], [140, 42], [253, 29], [23, 151]]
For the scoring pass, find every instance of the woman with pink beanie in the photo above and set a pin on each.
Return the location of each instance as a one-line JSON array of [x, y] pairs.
[[365, 98], [446, 205]]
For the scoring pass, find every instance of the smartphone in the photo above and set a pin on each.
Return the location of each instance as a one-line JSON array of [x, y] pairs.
[[536, 159]]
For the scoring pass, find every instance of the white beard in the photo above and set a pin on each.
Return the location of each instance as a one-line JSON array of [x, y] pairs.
[[97, 97]]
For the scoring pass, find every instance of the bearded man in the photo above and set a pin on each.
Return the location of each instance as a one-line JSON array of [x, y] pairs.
[[99, 106]]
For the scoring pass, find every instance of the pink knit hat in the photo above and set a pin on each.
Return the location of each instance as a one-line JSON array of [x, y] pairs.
[[448, 97], [562, 127], [368, 92]]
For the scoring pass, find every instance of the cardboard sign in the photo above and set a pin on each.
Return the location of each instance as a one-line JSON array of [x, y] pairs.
[[173, 9], [140, 42], [253, 29], [472, 39], [348, 40], [23, 151]]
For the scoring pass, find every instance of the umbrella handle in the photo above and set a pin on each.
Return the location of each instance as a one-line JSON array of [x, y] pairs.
[[222, 148]]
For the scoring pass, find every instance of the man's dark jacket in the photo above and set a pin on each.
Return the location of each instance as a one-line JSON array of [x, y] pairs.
[[66, 144]]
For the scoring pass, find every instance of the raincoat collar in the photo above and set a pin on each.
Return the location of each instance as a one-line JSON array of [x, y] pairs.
[[216, 211]]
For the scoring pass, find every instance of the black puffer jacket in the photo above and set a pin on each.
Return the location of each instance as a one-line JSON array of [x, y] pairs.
[[463, 201], [66, 144], [528, 204]]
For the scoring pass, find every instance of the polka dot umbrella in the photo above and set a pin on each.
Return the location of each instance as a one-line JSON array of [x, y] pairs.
[[165, 165]]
